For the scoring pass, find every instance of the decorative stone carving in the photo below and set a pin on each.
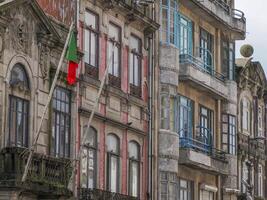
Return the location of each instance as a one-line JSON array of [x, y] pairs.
[[44, 60]]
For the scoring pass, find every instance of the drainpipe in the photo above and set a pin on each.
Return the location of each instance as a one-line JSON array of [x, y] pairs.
[[150, 107]]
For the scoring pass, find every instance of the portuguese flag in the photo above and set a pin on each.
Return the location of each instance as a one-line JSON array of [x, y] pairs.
[[72, 57]]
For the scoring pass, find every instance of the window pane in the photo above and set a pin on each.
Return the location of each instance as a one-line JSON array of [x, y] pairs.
[[134, 179], [113, 144], [90, 19], [114, 174]]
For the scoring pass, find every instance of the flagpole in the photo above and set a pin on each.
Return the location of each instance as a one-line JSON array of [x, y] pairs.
[[46, 106], [78, 157]]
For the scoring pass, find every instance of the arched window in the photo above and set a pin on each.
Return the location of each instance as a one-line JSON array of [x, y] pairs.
[[19, 76], [113, 161], [245, 114], [89, 159], [18, 109], [134, 169]]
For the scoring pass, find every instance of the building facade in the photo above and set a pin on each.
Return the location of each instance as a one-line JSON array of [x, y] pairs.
[[251, 128], [116, 157], [197, 156]]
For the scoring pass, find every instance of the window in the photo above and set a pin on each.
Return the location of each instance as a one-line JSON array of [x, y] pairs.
[[60, 146], [18, 122], [185, 36], [135, 65], [245, 108], [206, 195], [89, 161], [244, 176], [206, 50], [114, 54], [168, 186], [232, 135], [134, 169], [169, 18], [113, 160], [168, 112], [229, 134], [260, 121], [228, 59], [206, 125], [260, 180], [185, 190], [185, 125], [18, 109], [91, 42], [19, 76]]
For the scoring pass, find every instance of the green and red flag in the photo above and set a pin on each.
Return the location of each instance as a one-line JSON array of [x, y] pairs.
[[72, 57]]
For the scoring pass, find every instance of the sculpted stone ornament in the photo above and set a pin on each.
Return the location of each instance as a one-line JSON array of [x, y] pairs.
[[44, 60]]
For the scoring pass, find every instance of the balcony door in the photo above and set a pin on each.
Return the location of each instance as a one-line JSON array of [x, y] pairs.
[[205, 50], [185, 111], [205, 127]]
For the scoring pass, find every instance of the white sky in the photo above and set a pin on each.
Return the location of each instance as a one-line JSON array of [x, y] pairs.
[[256, 15]]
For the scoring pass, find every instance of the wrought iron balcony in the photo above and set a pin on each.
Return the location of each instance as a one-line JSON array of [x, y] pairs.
[[134, 11], [199, 70], [220, 13], [202, 143], [97, 194], [47, 175]]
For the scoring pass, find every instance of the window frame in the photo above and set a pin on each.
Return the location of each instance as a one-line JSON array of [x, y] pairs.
[[246, 109], [136, 161], [207, 52], [136, 89], [114, 80], [90, 68], [169, 10], [228, 62], [189, 36], [94, 149], [58, 113], [189, 189], [260, 121], [210, 122], [110, 155], [169, 181], [232, 147], [25, 142]]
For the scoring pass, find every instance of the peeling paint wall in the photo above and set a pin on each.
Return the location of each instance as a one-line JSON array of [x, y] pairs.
[[61, 10]]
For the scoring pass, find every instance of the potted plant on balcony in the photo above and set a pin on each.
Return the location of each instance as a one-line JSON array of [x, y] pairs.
[[242, 196]]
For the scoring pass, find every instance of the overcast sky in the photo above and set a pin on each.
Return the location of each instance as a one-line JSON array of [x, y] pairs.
[[256, 15]]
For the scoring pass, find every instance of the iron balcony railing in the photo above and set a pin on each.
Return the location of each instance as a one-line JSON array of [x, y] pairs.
[[46, 174], [222, 4], [202, 61], [97, 194], [201, 143], [142, 9]]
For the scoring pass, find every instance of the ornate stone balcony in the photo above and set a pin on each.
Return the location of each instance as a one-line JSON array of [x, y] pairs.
[[250, 146], [47, 175], [97, 194], [219, 14]]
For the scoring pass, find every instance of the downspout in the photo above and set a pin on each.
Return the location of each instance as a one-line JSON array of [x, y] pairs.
[[150, 107]]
